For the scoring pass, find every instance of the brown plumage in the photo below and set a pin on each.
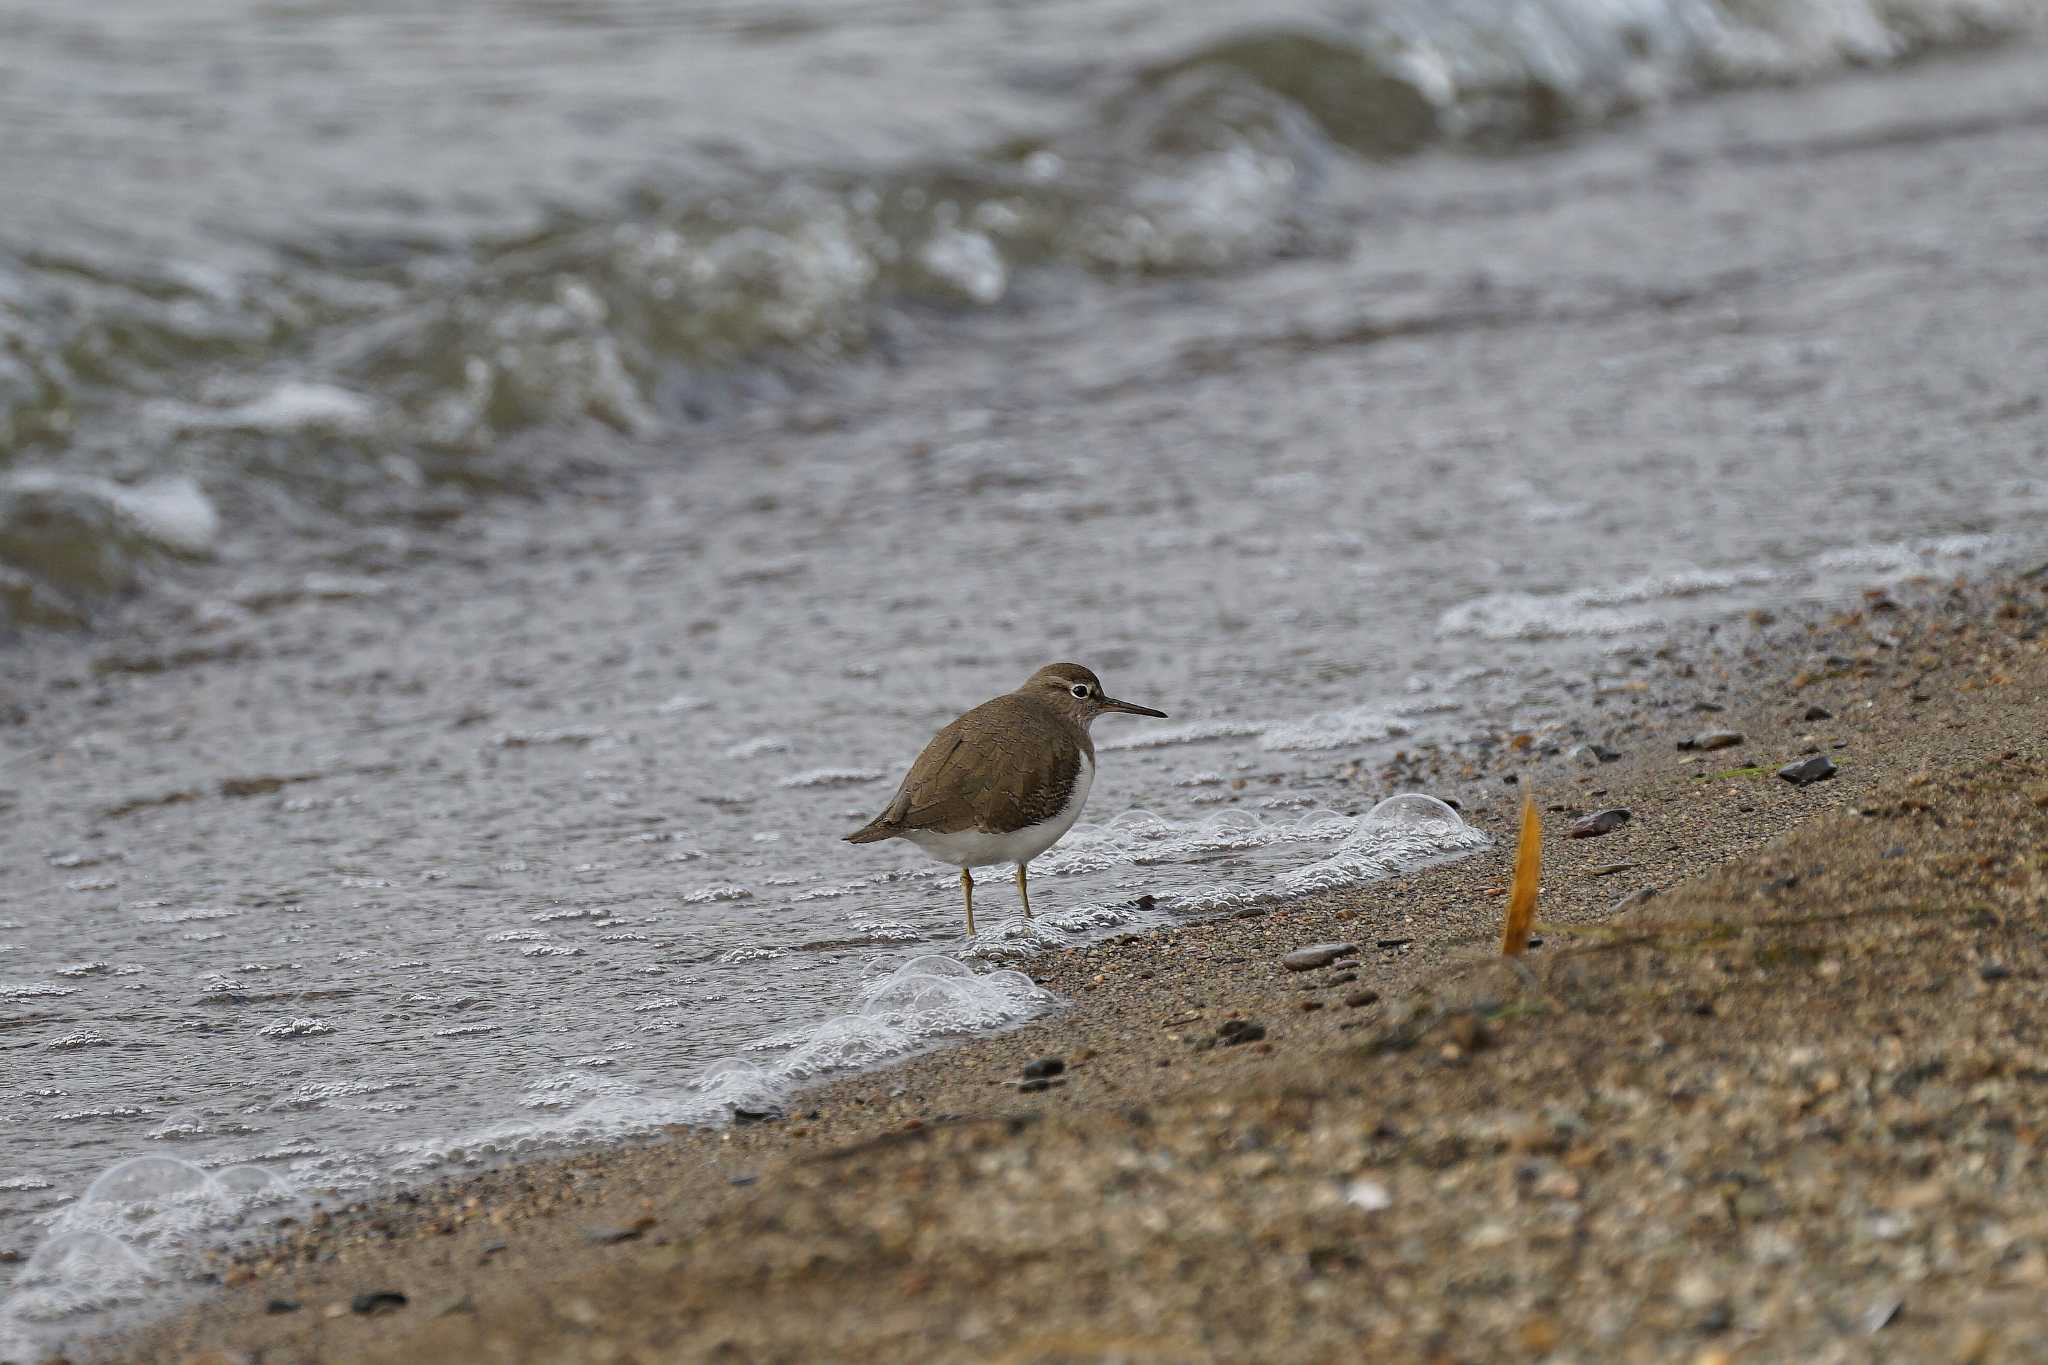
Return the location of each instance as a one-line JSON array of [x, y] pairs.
[[1008, 763], [1009, 770]]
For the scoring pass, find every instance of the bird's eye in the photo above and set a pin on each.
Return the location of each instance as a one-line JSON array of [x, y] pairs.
[[1080, 689]]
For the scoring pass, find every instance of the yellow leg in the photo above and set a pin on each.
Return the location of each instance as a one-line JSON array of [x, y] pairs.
[[967, 894], [1023, 889]]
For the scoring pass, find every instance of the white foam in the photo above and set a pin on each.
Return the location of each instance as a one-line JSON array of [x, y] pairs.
[[713, 894], [1400, 833], [1333, 730], [133, 1228], [1530, 616], [968, 261], [902, 1008], [304, 1027], [833, 777], [1189, 732], [172, 513], [294, 406], [1622, 608]]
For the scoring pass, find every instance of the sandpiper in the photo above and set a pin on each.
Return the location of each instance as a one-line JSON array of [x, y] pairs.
[[1002, 783]]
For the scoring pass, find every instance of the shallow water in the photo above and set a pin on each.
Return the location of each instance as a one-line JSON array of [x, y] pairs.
[[507, 585]]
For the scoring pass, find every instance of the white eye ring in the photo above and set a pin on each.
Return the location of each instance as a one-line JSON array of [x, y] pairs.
[[1080, 689]]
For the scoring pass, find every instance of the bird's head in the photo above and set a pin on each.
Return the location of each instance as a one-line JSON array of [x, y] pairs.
[[1076, 692]]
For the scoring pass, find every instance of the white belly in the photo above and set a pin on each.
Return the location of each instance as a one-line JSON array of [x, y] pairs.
[[979, 848]]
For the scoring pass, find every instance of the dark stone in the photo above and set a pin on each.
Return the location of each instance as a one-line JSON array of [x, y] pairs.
[[379, 1301], [746, 1116], [1708, 740], [1311, 1006], [749, 1179], [1147, 904], [1360, 999], [1237, 1031], [1818, 713], [1044, 1066], [627, 1232], [281, 1306], [1316, 955], [1808, 771], [1994, 971], [1598, 823], [1393, 942]]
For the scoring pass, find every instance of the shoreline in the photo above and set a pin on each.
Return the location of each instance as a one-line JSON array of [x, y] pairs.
[[1584, 387], [1316, 1137]]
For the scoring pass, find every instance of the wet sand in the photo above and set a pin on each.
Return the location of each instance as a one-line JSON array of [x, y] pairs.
[[1786, 1107]]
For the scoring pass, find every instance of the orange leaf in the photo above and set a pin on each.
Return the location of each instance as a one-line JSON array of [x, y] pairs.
[[1514, 939]]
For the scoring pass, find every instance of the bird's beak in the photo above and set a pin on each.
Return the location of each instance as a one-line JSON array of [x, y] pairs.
[[1112, 704]]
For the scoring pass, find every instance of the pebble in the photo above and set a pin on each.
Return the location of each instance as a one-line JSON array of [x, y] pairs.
[[1708, 740], [1599, 822], [1591, 754], [1369, 1195], [1469, 1033], [1808, 771], [1818, 713], [628, 1232], [1316, 955], [1994, 971], [1044, 1066], [378, 1301], [1237, 1031], [1360, 999], [281, 1306]]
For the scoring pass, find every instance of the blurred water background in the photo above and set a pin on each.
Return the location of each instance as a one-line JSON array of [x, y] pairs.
[[489, 492]]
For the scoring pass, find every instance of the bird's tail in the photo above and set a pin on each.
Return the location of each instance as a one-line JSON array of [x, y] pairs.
[[873, 832]]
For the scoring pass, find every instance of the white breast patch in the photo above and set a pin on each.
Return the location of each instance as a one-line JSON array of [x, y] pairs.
[[980, 848]]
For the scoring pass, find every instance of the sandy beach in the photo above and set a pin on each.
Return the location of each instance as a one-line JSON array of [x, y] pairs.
[[464, 563], [1767, 1090]]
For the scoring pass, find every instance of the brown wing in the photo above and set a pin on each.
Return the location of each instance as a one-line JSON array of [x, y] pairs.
[[1000, 766]]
